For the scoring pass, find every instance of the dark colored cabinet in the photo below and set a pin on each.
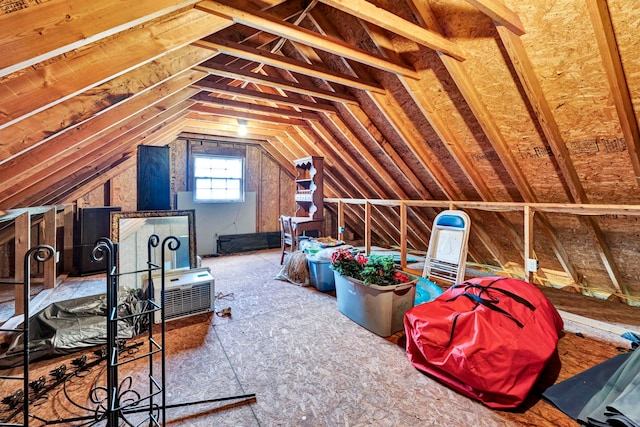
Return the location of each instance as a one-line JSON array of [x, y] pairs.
[[154, 181]]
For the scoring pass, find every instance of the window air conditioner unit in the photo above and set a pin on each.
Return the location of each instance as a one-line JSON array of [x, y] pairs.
[[187, 292]]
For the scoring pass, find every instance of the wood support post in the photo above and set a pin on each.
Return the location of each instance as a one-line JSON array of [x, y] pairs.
[[49, 238], [528, 242], [22, 245], [341, 220], [367, 228], [403, 235]]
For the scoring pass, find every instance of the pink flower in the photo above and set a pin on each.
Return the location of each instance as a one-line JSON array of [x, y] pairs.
[[400, 277], [361, 259]]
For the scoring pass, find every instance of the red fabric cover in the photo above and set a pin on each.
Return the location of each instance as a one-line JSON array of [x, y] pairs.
[[489, 357]]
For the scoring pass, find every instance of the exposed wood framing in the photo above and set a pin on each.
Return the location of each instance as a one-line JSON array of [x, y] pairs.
[[524, 69], [265, 22], [481, 113], [264, 57], [49, 238], [85, 23], [262, 96], [606, 37], [387, 20], [60, 80], [497, 11]]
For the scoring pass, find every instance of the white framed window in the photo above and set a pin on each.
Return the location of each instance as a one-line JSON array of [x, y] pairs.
[[218, 178]]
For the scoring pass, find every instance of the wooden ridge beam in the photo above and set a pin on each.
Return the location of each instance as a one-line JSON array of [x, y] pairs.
[[266, 22], [265, 57], [219, 88], [392, 22], [39, 33]]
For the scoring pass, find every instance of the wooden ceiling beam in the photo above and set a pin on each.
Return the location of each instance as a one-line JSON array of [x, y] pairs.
[[236, 73], [606, 38], [35, 130], [39, 88], [266, 22], [205, 98], [245, 115], [262, 56], [392, 22], [496, 10], [36, 34], [18, 169], [90, 160], [234, 91]]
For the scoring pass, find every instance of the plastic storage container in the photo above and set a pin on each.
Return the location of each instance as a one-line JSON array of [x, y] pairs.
[[380, 309], [321, 274]]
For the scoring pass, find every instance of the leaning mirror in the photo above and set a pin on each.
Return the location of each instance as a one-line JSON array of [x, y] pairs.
[[131, 231]]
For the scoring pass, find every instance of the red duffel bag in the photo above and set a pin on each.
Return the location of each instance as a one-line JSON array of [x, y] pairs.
[[487, 338]]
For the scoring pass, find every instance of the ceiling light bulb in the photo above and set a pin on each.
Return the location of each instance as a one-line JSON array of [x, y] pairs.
[[242, 127]]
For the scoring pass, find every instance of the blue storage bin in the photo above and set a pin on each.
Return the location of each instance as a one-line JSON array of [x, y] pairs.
[[321, 274]]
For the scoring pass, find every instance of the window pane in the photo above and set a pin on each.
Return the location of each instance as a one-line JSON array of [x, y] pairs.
[[218, 178]]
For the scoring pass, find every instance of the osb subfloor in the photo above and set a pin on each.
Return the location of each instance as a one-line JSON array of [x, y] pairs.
[[308, 364]]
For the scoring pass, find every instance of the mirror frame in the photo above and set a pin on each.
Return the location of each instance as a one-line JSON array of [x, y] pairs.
[[191, 217]]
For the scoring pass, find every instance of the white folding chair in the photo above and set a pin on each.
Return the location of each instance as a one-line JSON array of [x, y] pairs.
[[447, 252]]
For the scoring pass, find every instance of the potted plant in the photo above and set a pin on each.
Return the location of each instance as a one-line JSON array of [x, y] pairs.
[[371, 291]]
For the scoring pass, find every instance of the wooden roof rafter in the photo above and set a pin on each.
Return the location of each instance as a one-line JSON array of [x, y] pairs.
[[39, 88], [522, 64], [39, 128], [335, 46], [482, 115], [96, 158], [501, 14], [264, 57], [157, 99], [159, 135], [453, 145], [203, 97], [391, 22], [350, 161], [606, 38], [87, 23]]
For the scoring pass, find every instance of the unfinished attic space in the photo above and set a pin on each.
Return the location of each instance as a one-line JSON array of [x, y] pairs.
[[319, 212]]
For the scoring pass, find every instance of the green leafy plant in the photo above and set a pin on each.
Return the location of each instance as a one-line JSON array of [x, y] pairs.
[[373, 270]]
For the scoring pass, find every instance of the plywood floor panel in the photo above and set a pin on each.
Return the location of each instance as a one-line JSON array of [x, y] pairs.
[[309, 365]]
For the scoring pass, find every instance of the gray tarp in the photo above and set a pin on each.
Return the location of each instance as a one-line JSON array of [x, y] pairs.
[[617, 402], [65, 327]]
